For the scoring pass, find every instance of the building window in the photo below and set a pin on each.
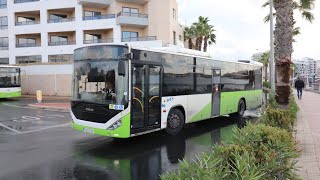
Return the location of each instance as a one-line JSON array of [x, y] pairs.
[[91, 13], [61, 58], [4, 22], [26, 19], [26, 41], [4, 60], [28, 59], [4, 43], [58, 39], [174, 14], [180, 38], [174, 38], [130, 36], [92, 38], [130, 10], [3, 4]]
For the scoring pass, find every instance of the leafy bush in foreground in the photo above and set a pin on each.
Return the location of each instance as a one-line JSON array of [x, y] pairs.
[[257, 152]]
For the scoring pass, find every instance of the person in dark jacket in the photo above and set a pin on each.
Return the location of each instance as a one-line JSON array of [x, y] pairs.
[[299, 85]]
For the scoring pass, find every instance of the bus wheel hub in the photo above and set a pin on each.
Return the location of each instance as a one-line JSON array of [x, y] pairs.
[[174, 121]]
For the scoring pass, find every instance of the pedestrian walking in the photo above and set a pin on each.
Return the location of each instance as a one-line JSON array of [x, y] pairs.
[[299, 85]]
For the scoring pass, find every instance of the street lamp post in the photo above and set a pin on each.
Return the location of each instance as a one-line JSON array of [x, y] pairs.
[[272, 67]]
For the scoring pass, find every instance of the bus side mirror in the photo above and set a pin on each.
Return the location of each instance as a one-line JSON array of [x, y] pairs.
[[121, 68]]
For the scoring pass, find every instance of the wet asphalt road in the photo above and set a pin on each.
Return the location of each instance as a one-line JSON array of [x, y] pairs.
[[40, 144]]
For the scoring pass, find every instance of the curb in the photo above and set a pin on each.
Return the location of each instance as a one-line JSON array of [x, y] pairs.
[[314, 91], [49, 107]]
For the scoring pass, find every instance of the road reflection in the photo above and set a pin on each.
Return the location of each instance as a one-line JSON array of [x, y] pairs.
[[148, 156], [139, 158]]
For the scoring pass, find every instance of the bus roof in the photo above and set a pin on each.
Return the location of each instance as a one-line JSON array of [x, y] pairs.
[[190, 52], [177, 51], [8, 66]]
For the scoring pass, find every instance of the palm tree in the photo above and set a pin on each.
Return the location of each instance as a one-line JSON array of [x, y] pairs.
[[264, 59], [284, 30], [199, 28], [209, 37], [189, 35]]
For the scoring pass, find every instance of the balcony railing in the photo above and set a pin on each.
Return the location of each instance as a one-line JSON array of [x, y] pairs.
[[61, 20], [3, 27], [62, 43], [4, 48], [109, 16], [27, 23], [28, 45], [147, 38], [97, 41], [2, 6], [24, 1], [132, 14]]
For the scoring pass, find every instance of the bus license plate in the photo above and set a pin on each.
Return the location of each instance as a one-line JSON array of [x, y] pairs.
[[88, 130]]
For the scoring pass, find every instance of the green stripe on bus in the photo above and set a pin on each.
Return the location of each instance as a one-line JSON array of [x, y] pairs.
[[122, 132], [230, 100], [10, 94], [205, 113]]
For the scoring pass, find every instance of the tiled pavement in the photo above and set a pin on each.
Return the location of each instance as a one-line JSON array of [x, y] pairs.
[[308, 136]]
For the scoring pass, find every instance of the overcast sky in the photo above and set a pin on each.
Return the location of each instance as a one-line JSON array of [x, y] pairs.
[[241, 31]]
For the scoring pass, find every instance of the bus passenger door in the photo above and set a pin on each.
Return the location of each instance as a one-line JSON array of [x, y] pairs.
[[146, 98], [216, 92]]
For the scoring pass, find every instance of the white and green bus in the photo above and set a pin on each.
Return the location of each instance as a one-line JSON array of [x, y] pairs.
[[120, 91], [10, 85]]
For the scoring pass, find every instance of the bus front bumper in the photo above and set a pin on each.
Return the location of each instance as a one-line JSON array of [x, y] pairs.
[[121, 132]]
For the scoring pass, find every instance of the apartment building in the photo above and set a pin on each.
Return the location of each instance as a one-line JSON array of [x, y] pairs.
[[307, 67], [41, 31]]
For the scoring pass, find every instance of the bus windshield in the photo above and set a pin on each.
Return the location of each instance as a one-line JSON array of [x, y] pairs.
[[9, 77], [96, 78]]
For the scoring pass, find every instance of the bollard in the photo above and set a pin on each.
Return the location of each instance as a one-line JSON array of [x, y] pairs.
[[39, 96]]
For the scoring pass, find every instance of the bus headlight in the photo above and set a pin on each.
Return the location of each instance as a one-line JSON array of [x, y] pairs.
[[115, 125]]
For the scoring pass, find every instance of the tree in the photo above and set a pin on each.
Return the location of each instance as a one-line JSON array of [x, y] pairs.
[[200, 32], [284, 31], [264, 59], [189, 35], [209, 37]]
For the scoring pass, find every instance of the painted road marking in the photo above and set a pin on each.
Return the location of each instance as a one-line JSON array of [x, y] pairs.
[[10, 129], [53, 110], [46, 128]]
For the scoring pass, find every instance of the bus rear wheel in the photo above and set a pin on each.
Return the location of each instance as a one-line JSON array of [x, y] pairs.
[[175, 122], [238, 115]]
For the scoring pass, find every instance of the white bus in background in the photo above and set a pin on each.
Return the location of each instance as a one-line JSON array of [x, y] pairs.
[[10, 81]]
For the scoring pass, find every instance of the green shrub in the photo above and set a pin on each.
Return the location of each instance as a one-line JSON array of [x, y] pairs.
[[273, 148], [283, 118], [267, 84], [257, 152]]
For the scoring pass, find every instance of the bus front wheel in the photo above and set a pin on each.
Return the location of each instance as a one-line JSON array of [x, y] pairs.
[[175, 122]]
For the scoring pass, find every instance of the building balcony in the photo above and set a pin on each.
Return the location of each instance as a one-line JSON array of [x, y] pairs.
[[28, 45], [3, 48], [147, 38], [3, 27], [134, 1], [24, 1], [62, 43], [96, 2], [98, 41], [27, 23], [134, 19], [61, 20], [108, 16]]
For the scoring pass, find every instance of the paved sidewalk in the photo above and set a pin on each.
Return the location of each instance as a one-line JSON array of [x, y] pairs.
[[308, 135]]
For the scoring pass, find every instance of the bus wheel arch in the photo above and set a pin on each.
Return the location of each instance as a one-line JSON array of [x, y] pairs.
[[175, 120]]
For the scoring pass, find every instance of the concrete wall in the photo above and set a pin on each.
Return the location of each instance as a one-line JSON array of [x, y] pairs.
[[52, 80]]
